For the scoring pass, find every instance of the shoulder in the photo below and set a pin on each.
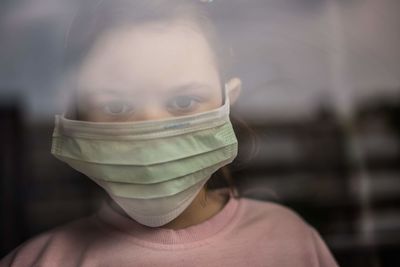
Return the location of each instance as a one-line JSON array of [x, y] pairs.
[[54, 244], [273, 222], [271, 214], [283, 233]]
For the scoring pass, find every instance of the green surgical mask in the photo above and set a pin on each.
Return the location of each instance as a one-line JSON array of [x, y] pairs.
[[152, 169]]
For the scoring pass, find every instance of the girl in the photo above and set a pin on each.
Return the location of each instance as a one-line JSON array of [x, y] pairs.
[[150, 124]]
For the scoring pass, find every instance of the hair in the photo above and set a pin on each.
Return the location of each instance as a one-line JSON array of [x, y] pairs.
[[96, 17]]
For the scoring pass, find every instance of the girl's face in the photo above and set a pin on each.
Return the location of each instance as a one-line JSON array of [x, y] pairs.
[[148, 72]]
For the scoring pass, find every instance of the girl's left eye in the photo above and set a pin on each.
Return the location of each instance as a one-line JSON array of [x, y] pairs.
[[183, 104]]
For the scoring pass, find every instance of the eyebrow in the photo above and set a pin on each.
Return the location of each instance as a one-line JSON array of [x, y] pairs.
[[189, 86], [175, 89]]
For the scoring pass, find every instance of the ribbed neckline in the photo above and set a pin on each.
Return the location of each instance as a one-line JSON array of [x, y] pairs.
[[163, 236]]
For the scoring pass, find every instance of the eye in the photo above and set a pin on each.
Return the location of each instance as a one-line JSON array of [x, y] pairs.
[[182, 104], [117, 107]]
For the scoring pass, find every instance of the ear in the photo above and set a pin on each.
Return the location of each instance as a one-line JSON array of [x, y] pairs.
[[234, 87]]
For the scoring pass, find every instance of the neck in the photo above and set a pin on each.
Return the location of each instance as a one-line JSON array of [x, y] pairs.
[[204, 206]]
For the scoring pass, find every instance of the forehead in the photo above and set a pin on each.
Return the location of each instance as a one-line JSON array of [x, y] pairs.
[[149, 58]]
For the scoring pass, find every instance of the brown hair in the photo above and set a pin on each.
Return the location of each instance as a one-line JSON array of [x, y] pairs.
[[95, 17], [247, 150]]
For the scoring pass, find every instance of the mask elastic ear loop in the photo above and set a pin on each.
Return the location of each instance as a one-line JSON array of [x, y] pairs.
[[226, 95], [225, 108]]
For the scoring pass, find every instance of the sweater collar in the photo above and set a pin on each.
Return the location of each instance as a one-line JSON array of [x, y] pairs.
[[166, 236]]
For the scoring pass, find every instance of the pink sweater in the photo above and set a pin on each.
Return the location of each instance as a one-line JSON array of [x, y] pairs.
[[244, 233]]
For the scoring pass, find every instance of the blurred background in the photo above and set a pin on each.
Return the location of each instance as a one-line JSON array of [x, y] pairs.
[[321, 90]]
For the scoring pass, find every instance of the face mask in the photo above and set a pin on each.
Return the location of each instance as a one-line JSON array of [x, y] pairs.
[[152, 169]]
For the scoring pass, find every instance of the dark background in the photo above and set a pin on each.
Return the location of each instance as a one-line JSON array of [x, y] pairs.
[[321, 92]]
